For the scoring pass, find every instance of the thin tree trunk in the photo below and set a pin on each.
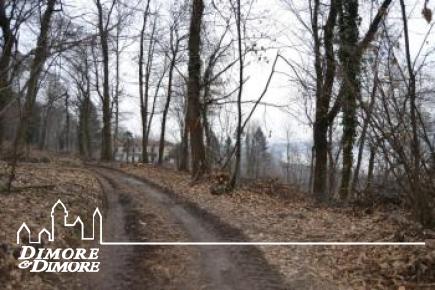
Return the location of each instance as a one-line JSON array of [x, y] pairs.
[[148, 69], [116, 97], [422, 208], [168, 101], [67, 124], [370, 170], [87, 116], [150, 121], [143, 100], [106, 140], [238, 153], [363, 135]]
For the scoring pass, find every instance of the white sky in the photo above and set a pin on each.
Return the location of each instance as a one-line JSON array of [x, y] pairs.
[[293, 42], [277, 122]]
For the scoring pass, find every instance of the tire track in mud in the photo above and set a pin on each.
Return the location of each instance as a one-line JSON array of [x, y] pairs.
[[117, 267], [222, 267]]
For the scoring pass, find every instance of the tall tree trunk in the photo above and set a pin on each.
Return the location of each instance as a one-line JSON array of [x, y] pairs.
[[320, 157], [331, 163], [45, 126], [421, 204], [351, 53], [150, 121], [184, 158], [106, 140], [168, 101], [87, 117], [143, 99], [199, 163], [67, 124], [117, 92], [370, 170], [5, 60], [148, 69], [238, 148], [84, 134], [324, 85], [325, 114], [41, 55], [351, 87]]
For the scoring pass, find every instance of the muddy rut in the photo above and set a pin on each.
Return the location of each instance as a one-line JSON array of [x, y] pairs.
[[219, 267]]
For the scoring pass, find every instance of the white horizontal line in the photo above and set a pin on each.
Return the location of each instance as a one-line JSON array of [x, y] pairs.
[[263, 243]]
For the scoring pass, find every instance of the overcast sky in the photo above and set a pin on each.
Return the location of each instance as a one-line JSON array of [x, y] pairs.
[[291, 40]]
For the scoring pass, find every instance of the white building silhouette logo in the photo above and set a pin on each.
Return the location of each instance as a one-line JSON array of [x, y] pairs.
[[24, 234], [40, 259], [97, 235]]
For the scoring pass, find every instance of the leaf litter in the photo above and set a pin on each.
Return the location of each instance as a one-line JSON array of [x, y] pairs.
[[78, 189], [267, 217]]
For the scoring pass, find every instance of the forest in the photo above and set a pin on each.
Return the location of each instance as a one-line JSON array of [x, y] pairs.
[[326, 102]]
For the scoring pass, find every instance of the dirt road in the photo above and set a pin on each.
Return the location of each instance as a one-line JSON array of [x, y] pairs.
[[135, 208]]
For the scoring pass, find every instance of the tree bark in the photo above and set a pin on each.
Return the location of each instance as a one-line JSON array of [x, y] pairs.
[[143, 99], [199, 164], [150, 121], [84, 114], [174, 53], [184, 158], [351, 87], [238, 148], [41, 55], [5, 60], [117, 93], [351, 52], [67, 124], [421, 203], [370, 170], [324, 85], [106, 140]]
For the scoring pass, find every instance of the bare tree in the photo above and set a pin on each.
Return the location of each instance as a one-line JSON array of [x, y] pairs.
[[199, 164], [175, 40], [239, 96], [103, 30], [144, 97], [37, 65]]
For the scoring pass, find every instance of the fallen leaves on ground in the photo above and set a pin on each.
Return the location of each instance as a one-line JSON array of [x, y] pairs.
[[78, 190], [265, 217]]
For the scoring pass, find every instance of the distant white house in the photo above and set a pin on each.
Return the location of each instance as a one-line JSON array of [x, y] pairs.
[[133, 153]]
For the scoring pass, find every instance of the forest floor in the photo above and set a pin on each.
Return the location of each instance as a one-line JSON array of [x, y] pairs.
[[265, 217], [132, 211], [156, 216], [37, 187], [145, 203]]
